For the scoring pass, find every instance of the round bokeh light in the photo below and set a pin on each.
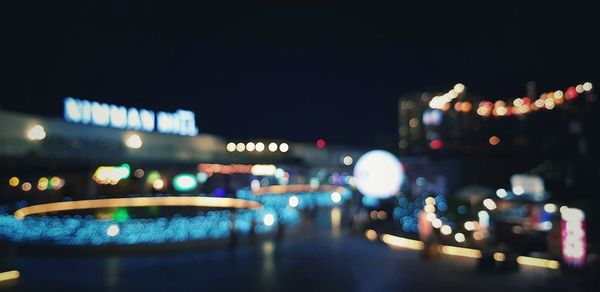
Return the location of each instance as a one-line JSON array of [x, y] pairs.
[[378, 174]]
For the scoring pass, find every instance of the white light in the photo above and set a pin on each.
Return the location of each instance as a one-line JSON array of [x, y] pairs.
[[36, 132], [230, 147], [489, 204], [572, 214], [134, 142], [459, 237], [260, 146], [518, 190], [272, 146], [550, 208], [501, 193], [436, 223], [347, 160], [263, 169], [250, 146], [336, 197], [293, 201], [469, 226], [284, 147], [378, 174], [484, 219], [459, 88], [587, 86], [446, 230], [269, 219], [158, 184], [113, 230], [240, 147]]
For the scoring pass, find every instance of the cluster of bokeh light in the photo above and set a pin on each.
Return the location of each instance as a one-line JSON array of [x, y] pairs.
[[257, 147], [296, 199], [407, 213]]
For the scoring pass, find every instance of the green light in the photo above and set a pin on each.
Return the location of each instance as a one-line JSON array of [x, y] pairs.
[[185, 182], [152, 176], [120, 215], [126, 174]]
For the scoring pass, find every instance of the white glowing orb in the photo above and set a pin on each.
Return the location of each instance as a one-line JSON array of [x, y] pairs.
[[378, 174]]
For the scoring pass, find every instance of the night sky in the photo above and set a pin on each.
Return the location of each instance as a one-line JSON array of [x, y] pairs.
[[297, 72]]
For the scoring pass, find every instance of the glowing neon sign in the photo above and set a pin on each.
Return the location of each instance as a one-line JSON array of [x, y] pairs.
[[86, 112]]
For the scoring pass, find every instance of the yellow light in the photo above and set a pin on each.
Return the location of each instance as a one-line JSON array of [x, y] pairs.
[[260, 146], [489, 204], [461, 251], [381, 215], [518, 102], [336, 197], [284, 147], [446, 230], [26, 186], [134, 141], [42, 184], [113, 230], [579, 88], [230, 147], [263, 169], [36, 133], [371, 234], [395, 241], [269, 219], [413, 123], [293, 201], [483, 111], [549, 104], [558, 94], [136, 202], [9, 276], [430, 201], [537, 262], [158, 184], [459, 237], [539, 103], [13, 181], [272, 146], [499, 257]]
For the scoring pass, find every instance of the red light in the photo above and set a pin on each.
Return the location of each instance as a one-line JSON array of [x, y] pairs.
[[571, 93], [436, 144], [320, 143]]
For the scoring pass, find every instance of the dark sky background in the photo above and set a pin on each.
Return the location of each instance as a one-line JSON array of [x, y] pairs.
[[289, 71]]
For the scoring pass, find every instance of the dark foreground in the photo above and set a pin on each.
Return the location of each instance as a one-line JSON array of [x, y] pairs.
[[314, 256]]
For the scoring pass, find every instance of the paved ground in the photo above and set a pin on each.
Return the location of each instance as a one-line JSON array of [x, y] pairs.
[[314, 257]]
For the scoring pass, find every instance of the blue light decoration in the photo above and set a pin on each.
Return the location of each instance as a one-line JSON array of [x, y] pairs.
[[407, 213], [284, 201], [87, 231]]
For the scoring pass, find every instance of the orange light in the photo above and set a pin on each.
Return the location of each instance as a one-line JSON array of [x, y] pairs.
[[494, 140]]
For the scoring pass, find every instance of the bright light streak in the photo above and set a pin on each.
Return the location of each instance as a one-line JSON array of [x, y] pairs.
[[136, 202], [395, 241], [461, 251], [537, 262], [10, 275], [263, 169]]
